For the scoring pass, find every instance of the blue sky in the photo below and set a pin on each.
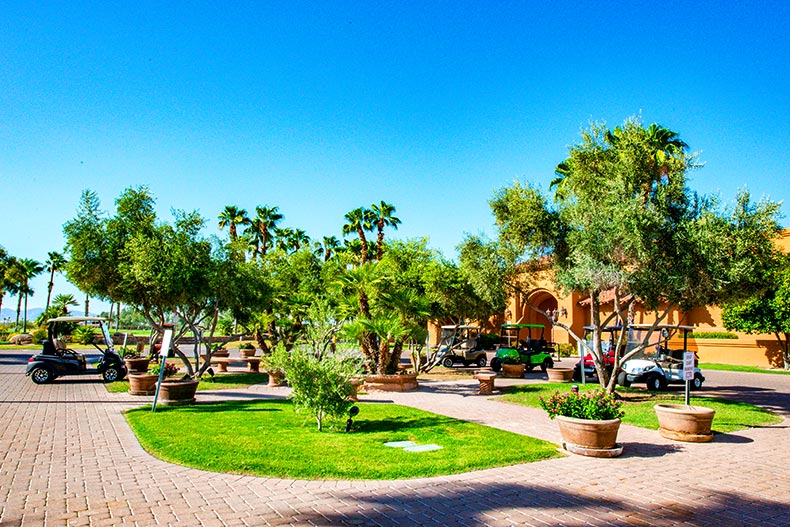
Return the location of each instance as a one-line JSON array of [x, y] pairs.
[[321, 107]]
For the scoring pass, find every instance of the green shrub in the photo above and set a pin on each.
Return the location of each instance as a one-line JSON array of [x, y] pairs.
[[39, 334], [225, 326], [170, 369], [565, 350], [246, 346], [712, 335], [321, 386], [84, 334], [489, 340], [586, 405]]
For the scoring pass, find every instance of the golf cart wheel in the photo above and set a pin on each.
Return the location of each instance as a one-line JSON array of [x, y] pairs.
[[481, 362], [447, 362], [111, 374], [622, 380], [656, 383], [696, 382], [41, 375], [529, 367], [496, 364], [577, 377], [547, 363]]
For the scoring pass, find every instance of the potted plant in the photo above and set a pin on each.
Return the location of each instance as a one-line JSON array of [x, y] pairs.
[[512, 367], [174, 392], [275, 374], [219, 350], [588, 422], [134, 362], [682, 422], [246, 350]]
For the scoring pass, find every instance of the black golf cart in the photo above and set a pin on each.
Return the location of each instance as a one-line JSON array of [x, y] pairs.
[[519, 341], [56, 359]]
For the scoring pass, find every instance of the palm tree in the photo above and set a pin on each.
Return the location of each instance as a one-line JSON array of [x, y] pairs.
[[5, 261], [359, 220], [232, 217], [55, 263], [30, 268], [265, 222], [327, 247], [382, 217]]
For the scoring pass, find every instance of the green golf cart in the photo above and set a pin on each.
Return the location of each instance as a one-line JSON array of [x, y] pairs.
[[526, 343]]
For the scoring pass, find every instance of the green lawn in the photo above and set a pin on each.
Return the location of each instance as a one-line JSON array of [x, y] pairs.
[[267, 438], [638, 406], [220, 382], [733, 367]]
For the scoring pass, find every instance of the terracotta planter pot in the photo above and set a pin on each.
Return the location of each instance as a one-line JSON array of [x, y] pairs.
[[356, 384], [685, 423], [557, 375], [177, 393], [590, 437], [486, 380], [142, 383], [391, 383], [222, 352], [275, 378], [246, 353], [513, 371], [138, 365]]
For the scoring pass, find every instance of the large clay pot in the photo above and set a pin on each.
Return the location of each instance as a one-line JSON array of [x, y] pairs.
[[513, 371], [590, 437], [685, 423], [222, 352], [177, 393], [356, 384], [138, 365], [275, 378], [246, 353], [486, 380], [142, 383], [558, 375], [391, 383]]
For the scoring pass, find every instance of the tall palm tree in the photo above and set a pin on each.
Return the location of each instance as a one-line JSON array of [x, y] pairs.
[[231, 218], [55, 263], [5, 260], [31, 268], [265, 221], [358, 221], [382, 217]]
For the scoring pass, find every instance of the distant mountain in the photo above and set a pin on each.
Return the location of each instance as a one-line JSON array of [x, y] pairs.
[[9, 315]]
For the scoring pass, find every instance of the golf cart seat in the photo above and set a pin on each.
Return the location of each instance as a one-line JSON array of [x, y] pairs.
[[49, 348]]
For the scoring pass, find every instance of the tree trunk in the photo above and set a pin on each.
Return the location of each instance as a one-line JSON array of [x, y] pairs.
[[87, 304], [50, 286], [785, 350], [18, 309]]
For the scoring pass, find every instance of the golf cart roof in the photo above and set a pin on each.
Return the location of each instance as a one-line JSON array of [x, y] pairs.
[[77, 319], [662, 326], [513, 326]]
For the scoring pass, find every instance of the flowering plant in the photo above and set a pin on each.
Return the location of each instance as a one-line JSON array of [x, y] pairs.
[[597, 405], [170, 369]]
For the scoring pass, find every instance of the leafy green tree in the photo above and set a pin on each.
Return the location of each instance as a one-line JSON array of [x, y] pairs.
[[55, 263], [262, 228], [327, 247], [59, 307], [767, 312], [625, 223]]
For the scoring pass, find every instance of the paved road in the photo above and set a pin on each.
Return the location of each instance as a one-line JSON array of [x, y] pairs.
[[68, 458]]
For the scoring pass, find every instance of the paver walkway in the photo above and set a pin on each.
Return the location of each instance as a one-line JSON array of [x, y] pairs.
[[69, 458]]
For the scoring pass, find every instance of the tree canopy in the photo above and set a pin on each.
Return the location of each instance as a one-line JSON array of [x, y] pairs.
[[622, 219]]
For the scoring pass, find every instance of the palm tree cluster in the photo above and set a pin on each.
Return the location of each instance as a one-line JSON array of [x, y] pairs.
[[16, 274], [261, 232]]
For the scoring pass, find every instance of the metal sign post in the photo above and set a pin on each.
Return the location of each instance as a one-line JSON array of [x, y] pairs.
[[688, 372], [167, 338]]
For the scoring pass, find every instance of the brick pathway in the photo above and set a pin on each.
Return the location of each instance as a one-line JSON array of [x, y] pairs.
[[68, 458]]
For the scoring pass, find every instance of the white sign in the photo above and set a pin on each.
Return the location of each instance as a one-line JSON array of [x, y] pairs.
[[688, 365], [166, 340]]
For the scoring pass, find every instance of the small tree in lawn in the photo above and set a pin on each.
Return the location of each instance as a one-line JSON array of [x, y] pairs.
[[768, 312], [623, 221]]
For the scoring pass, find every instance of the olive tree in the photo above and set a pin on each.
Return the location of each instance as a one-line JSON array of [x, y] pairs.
[[622, 221]]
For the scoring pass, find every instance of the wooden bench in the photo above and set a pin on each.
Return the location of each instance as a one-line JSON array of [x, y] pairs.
[[253, 364]]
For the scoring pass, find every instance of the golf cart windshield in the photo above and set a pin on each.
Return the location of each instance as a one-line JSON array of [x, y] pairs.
[[660, 339], [55, 329]]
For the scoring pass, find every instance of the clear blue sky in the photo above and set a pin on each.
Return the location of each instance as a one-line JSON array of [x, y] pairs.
[[321, 107]]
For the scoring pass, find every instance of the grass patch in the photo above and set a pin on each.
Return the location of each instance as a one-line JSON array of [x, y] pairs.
[[268, 438], [220, 382], [734, 367], [638, 406]]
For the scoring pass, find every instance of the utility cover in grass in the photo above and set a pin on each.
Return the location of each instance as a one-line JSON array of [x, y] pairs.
[[268, 438], [422, 448]]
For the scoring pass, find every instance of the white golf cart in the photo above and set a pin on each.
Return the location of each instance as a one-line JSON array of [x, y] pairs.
[[459, 344], [658, 366]]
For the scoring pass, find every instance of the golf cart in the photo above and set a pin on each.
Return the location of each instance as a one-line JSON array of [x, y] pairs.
[[56, 359], [460, 344], [609, 336], [662, 366], [518, 341]]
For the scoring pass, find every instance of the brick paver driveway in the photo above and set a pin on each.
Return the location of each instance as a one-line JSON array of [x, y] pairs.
[[68, 458]]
